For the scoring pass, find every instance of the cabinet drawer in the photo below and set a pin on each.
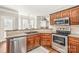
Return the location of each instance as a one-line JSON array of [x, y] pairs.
[[46, 39], [46, 43], [72, 40], [72, 43], [30, 37], [45, 34], [72, 48]]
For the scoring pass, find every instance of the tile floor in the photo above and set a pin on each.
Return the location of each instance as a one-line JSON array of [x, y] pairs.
[[39, 50], [43, 50]]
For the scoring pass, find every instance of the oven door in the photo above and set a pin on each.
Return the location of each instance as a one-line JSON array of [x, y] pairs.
[[59, 42]]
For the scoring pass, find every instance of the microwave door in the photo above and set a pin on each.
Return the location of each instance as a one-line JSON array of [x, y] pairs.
[[62, 21]]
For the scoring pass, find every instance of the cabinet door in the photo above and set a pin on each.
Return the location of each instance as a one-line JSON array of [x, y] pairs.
[[46, 39], [58, 15], [46, 42], [73, 45], [52, 18], [74, 16], [30, 43], [77, 45], [37, 41], [66, 13]]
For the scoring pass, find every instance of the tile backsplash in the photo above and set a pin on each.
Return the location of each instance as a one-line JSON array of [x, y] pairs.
[[74, 29]]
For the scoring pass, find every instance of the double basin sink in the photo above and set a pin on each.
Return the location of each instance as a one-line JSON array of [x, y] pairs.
[[34, 32]]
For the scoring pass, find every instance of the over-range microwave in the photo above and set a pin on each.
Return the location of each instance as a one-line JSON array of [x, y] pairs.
[[62, 21]]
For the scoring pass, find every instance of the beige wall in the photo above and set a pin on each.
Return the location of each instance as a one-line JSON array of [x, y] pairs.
[[74, 29]]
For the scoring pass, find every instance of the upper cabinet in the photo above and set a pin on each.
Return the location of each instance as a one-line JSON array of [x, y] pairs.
[[66, 13], [72, 13], [52, 18], [58, 15], [74, 16]]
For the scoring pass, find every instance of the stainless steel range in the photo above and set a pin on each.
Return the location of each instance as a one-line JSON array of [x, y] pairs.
[[60, 42], [60, 38]]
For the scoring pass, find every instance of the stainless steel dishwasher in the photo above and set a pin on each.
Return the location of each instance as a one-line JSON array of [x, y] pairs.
[[18, 45]]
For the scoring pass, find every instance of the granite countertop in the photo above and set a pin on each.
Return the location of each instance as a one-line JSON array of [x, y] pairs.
[[14, 34], [74, 35], [19, 35]]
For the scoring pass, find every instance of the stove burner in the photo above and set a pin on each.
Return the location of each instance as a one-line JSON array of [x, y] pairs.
[[65, 33]]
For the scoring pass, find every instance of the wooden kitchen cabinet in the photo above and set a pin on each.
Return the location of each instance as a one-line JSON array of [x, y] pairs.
[[46, 39], [74, 16], [73, 45], [58, 15], [65, 13], [55, 16], [72, 13], [8, 45], [33, 41], [30, 42], [52, 18], [37, 41]]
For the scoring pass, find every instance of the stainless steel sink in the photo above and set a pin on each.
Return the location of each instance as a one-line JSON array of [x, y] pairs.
[[31, 32]]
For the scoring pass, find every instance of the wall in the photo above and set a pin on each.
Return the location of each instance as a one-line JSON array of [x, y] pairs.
[[74, 29], [2, 35], [29, 18], [9, 12]]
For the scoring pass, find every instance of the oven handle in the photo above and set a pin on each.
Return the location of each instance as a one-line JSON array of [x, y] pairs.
[[59, 35]]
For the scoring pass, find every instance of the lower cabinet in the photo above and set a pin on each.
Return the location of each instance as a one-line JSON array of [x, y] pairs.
[[46, 39], [36, 40], [33, 41], [30, 43], [73, 46]]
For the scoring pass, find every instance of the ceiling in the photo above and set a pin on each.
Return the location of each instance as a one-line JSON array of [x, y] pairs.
[[38, 10]]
